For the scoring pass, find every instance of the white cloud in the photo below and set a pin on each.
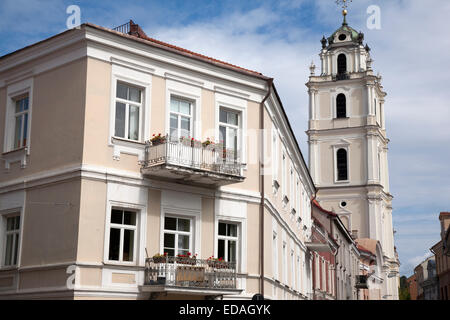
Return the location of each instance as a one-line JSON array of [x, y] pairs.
[[411, 51]]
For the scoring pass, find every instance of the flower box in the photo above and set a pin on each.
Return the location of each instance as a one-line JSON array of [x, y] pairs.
[[158, 139], [189, 261]]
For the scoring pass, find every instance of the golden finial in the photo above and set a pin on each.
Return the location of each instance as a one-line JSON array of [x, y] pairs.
[[344, 4]]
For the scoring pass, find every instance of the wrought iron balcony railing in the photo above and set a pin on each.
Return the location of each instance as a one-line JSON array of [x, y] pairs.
[[191, 161], [190, 273]]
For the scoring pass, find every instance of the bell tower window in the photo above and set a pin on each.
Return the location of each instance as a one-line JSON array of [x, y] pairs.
[[342, 64], [341, 160], [341, 106]]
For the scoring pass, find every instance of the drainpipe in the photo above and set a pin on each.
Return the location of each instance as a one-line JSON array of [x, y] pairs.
[[261, 181]]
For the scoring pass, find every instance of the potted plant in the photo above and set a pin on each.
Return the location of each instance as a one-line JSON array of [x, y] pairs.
[[160, 258], [158, 139], [217, 263], [207, 143], [187, 259]]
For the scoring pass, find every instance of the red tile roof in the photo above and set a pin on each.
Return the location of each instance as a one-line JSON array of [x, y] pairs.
[[443, 214], [322, 209], [136, 33]]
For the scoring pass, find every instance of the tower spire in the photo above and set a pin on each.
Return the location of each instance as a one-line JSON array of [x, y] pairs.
[[344, 4]]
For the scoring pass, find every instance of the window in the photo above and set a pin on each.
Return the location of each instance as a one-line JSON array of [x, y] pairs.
[[177, 236], [342, 64], [128, 112], [122, 236], [227, 246], [297, 196], [283, 175], [285, 262], [274, 155], [21, 122], [341, 106], [275, 255], [291, 185], [341, 157], [293, 284], [299, 265], [11, 241], [180, 118], [228, 131]]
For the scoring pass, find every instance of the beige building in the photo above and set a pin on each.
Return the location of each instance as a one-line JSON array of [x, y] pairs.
[[88, 204], [348, 146]]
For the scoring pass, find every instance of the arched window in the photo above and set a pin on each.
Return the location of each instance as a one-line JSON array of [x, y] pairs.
[[342, 64], [341, 158], [341, 106]]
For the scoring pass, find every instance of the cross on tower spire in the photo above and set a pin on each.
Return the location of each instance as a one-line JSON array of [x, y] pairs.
[[344, 4]]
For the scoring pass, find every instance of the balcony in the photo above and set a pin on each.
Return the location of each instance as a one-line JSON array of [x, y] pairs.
[[190, 276], [341, 76], [191, 162]]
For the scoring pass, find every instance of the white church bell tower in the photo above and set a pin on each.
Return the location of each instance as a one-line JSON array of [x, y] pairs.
[[348, 146]]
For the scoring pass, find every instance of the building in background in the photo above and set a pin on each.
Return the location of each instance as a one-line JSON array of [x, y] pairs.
[[346, 269], [412, 285], [324, 249], [348, 148], [426, 279], [131, 170], [442, 257]]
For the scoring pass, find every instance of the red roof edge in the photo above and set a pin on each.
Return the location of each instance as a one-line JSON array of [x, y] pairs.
[[361, 248], [136, 31], [322, 209]]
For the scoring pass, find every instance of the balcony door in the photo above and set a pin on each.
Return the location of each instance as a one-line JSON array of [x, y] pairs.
[[181, 119], [181, 124], [229, 122]]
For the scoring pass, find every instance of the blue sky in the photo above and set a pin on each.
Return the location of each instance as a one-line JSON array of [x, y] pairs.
[[280, 39]]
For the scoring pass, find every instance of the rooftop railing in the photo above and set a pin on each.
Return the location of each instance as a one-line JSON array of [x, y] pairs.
[[190, 273]]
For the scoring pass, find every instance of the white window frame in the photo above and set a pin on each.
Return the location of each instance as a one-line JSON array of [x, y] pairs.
[[291, 188], [335, 170], [179, 115], [347, 91], [347, 58], [14, 91], [21, 114], [127, 104], [317, 267], [181, 89], [240, 106], [299, 272], [275, 155], [139, 77], [275, 255], [235, 127], [230, 238], [285, 262], [4, 233], [297, 201], [284, 175], [189, 233], [293, 280], [122, 228]]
